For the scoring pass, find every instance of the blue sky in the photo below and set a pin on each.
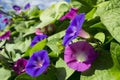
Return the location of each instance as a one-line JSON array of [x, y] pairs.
[[7, 4]]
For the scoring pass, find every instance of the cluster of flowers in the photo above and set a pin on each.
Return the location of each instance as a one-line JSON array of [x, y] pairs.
[[78, 55]]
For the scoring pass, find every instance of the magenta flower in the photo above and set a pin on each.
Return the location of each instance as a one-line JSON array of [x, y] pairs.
[[19, 66], [70, 15], [3, 21], [73, 29], [79, 56], [37, 39], [38, 63], [6, 35]]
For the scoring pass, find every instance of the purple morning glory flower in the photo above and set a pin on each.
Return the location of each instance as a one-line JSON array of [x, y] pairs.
[[38, 63], [1, 15], [18, 8], [73, 29], [70, 15], [27, 6], [19, 66], [37, 39], [79, 56], [6, 35]]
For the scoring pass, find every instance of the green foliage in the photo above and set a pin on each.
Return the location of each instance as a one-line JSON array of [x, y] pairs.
[[4, 74], [102, 22], [90, 15], [111, 20], [24, 76], [53, 13], [114, 4], [100, 36], [34, 12], [62, 70], [55, 46], [101, 8]]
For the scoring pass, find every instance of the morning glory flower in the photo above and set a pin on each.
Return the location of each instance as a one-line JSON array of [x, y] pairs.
[[70, 15], [37, 39], [83, 34], [38, 63], [6, 35], [79, 56], [18, 8], [19, 66], [38, 32], [73, 29]]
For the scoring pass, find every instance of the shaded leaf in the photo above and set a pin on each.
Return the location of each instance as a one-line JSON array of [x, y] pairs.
[[63, 71]]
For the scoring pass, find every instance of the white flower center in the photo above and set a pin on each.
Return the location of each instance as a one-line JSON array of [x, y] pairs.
[[39, 64], [81, 57]]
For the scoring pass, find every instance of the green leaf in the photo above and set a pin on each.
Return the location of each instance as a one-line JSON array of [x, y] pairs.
[[88, 3], [61, 8], [29, 31], [55, 45], [100, 36], [114, 4], [63, 71], [111, 19], [24, 76], [39, 46], [98, 25], [115, 52], [34, 12], [48, 14], [49, 75], [4, 74], [102, 8], [21, 27], [76, 4], [57, 35], [53, 13], [29, 23], [2, 43], [90, 14], [100, 1], [21, 45]]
